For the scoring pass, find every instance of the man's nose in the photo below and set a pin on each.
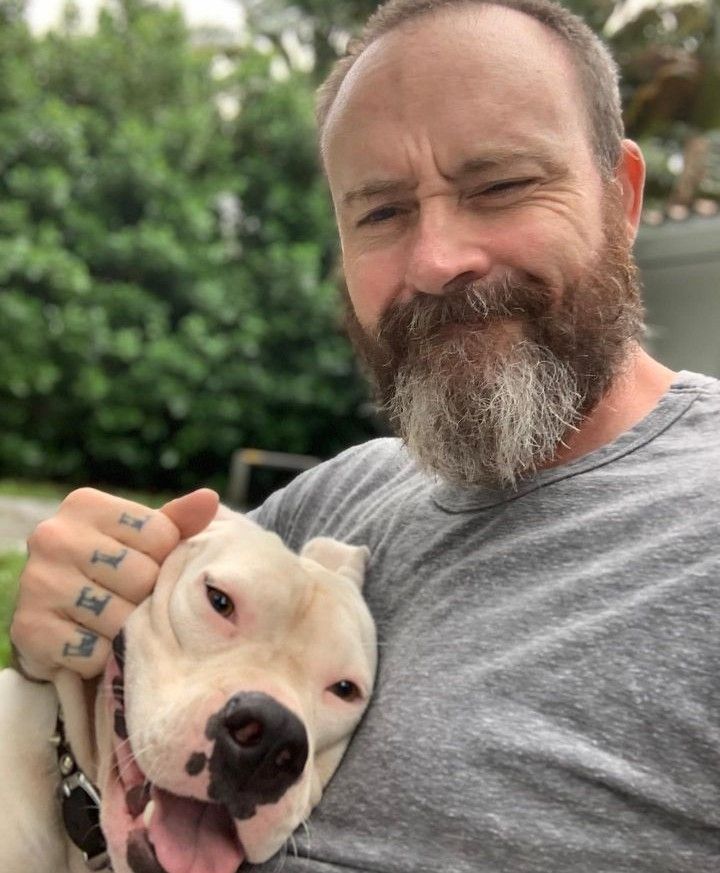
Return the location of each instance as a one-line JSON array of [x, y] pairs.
[[445, 254]]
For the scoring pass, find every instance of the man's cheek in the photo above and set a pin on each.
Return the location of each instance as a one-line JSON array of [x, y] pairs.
[[373, 285]]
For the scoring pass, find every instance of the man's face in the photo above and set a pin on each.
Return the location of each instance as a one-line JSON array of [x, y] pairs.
[[458, 158]]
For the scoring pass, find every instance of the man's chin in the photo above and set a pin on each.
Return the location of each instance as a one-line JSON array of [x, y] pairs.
[[482, 416]]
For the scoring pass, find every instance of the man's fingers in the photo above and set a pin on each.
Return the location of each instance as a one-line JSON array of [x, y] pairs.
[[132, 524], [72, 595], [82, 650], [68, 594], [59, 643], [87, 566], [57, 551], [193, 512], [99, 610], [119, 569]]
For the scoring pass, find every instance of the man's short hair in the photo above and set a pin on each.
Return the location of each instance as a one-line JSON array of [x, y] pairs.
[[597, 71]]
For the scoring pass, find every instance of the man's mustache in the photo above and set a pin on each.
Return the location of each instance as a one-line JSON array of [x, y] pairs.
[[473, 303]]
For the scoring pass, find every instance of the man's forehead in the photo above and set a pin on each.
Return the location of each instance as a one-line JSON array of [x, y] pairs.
[[456, 82], [458, 38]]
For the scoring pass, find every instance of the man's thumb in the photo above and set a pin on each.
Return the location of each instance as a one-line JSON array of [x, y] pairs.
[[193, 512]]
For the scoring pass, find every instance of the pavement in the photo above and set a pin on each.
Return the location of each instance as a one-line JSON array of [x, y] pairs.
[[18, 518]]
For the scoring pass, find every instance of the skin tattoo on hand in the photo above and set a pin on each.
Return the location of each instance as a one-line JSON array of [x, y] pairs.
[[113, 560], [82, 649], [94, 604], [132, 521]]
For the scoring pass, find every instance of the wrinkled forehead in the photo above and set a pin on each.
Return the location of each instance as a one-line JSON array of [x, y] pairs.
[[483, 73]]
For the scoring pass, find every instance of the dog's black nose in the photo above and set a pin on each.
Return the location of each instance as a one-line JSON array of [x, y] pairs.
[[264, 739], [260, 751]]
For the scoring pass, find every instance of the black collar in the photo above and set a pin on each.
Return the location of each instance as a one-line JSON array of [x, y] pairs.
[[80, 802]]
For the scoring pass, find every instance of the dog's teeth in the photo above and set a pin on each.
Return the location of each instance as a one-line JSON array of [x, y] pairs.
[[148, 814]]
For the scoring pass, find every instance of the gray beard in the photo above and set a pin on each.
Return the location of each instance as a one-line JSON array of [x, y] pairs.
[[486, 425]]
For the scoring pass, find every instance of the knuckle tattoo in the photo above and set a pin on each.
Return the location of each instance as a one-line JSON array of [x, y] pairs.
[[83, 647], [86, 600], [133, 521], [113, 561]]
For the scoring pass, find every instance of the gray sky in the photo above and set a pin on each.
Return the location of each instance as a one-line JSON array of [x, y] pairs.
[[228, 14], [44, 14]]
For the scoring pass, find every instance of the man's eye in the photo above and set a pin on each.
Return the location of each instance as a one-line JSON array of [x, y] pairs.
[[219, 601], [377, 216], [345, 690], [506, 186]]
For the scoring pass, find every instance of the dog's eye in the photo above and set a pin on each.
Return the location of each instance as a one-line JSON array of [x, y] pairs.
[[219, 601], [345, 690]]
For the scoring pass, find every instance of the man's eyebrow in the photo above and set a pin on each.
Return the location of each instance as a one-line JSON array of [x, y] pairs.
[[376, 187], [494, 160], [470, 167]]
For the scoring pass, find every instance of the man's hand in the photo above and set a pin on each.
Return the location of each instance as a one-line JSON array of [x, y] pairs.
[[88, 567]]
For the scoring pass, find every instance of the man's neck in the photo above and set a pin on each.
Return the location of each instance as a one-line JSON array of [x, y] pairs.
[[633, 395]]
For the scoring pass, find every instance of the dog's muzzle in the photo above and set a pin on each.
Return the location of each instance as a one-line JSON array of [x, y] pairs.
[[260, 750]]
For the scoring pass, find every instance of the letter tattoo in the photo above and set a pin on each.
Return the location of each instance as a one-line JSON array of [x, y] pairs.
[[94, 604], [113, 560], [132, 521], [84, 648]]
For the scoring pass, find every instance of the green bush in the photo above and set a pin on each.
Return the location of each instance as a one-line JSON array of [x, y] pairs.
[[165, 272], [11, 564]]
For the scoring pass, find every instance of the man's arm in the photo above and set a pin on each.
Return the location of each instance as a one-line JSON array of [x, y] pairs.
[[88, 566]]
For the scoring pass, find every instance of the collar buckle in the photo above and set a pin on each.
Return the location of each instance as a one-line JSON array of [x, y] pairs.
[[80, 805]]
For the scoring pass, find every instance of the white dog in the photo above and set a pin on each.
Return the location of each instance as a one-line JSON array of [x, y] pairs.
[[227, 706]]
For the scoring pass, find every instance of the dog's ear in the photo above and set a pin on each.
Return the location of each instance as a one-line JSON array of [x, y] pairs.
[[348, 561]]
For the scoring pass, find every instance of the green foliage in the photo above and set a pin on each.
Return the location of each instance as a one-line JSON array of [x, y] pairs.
[[324, 25], [11, 564], [670, 60], [24, 488], [164, 269]]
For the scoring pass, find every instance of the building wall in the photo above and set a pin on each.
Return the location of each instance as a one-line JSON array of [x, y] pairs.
[[680, 268]]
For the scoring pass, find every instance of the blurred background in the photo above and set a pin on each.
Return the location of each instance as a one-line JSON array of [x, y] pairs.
[[168, 262]]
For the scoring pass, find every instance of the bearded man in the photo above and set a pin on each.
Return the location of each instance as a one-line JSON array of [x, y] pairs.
[[543, 571]]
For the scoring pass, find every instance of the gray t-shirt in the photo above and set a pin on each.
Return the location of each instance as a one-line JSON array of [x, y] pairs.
[[549, 687]]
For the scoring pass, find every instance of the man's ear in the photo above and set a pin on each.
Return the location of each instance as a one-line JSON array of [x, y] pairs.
[[630, 178]]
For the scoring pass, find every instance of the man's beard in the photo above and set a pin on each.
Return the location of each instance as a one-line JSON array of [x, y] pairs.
[[484, 383]]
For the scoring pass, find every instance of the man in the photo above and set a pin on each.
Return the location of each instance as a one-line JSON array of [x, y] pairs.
[[543, 571]]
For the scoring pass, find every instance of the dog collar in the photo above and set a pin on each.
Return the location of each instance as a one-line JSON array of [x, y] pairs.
[[80, 804]]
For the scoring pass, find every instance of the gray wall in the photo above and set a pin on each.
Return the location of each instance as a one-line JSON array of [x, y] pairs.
[[680, 266]]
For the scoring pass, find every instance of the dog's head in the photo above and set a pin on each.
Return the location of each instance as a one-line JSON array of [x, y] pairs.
[[231, 697]]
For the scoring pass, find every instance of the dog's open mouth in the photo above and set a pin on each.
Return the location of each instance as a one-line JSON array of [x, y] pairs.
[[183, 835], [172, 834], [164, 832]]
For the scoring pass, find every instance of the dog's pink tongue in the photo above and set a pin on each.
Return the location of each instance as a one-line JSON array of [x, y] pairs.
[[193, 837]]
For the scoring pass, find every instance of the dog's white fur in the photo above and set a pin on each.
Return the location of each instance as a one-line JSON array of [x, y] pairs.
[[299, 626]]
